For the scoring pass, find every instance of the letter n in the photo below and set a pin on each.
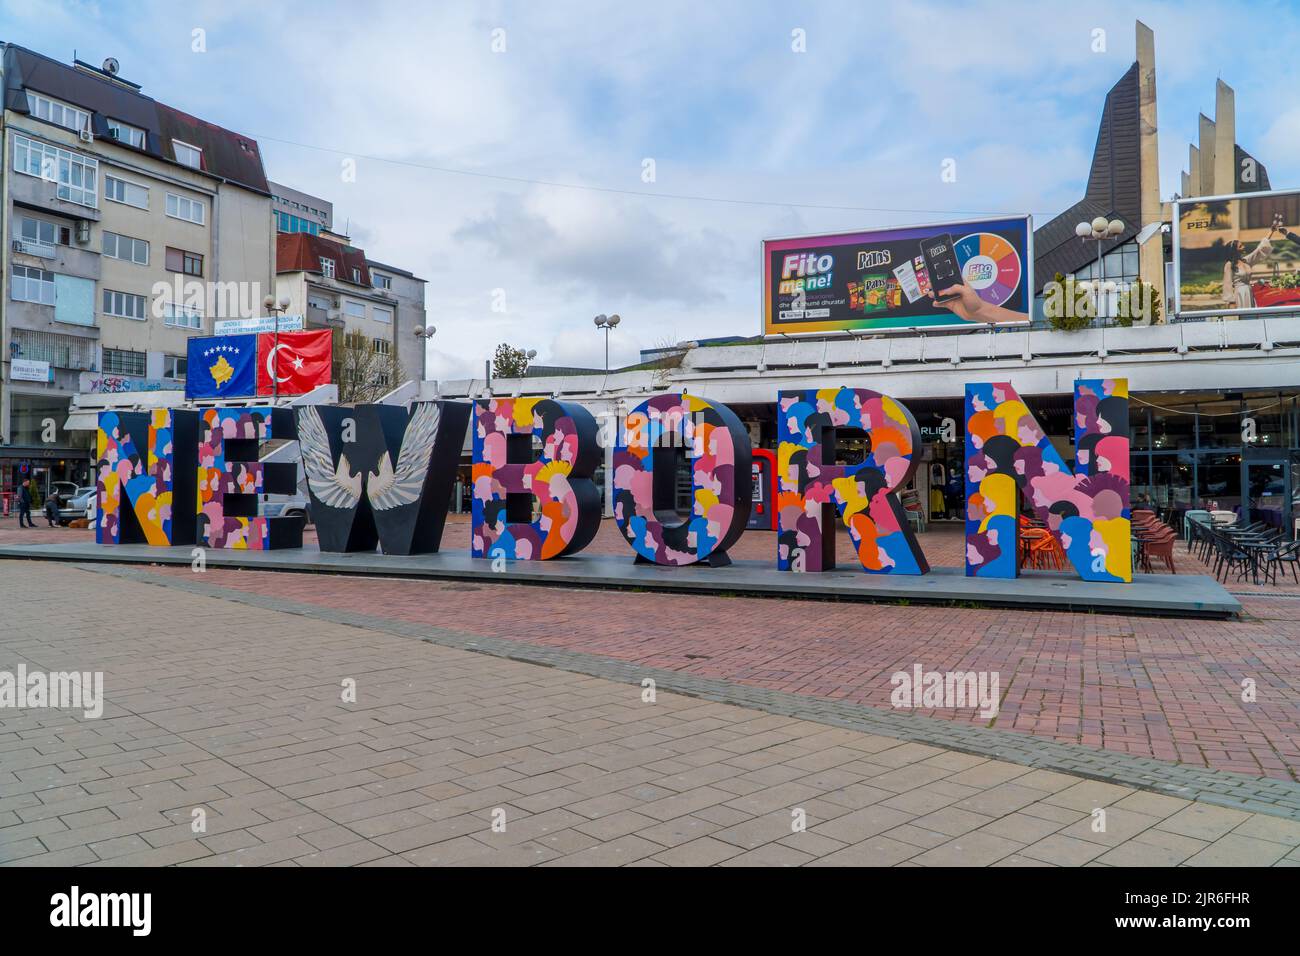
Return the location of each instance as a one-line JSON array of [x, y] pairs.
[[815, 493], [1082, 515], [141, 495], [533, 503]]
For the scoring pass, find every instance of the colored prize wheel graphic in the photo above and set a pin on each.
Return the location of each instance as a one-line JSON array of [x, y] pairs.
[[990, 265]]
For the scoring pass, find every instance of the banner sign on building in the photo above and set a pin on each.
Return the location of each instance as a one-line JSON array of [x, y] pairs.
[[29, 370], [287, 323], [888, 278], [1237, 254]]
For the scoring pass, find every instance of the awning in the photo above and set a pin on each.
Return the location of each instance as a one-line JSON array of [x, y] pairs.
[[82, 422]]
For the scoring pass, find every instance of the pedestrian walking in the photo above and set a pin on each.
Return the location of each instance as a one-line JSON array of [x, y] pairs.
[[25, 505]]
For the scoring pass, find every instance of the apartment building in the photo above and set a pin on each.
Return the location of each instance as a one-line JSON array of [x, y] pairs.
[[332, 283], [407, 293], [127, 227], [327, 281], [297, 211]]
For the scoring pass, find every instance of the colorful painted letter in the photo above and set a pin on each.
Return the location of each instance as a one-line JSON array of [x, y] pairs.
[[407, 463], [656, 434], [1086, 511], [862, 493], [509, 479], [157, 509], [231, 479]]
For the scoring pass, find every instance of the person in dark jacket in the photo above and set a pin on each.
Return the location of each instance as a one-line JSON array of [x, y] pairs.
[[25, 505], [52, 509]]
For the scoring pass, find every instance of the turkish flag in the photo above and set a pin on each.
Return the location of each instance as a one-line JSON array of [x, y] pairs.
[[297, 364]]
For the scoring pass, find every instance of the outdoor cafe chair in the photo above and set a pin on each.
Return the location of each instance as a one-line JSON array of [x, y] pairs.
[[1285, 554]]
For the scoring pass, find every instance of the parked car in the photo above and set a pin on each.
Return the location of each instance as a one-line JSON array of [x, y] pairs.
[[275, 506], [80, 504]]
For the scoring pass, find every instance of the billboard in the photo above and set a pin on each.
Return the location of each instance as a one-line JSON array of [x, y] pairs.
[[1237, 255], [889, 278]]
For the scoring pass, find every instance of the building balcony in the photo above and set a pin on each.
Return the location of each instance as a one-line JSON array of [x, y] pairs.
[[42, 195], [73, 352]]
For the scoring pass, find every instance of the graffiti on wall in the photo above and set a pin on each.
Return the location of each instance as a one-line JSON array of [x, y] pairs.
[[813, 491], [1085, 510], [533, 504], [655, 437]]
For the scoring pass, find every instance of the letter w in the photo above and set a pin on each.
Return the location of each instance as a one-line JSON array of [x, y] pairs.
[[405, 463]]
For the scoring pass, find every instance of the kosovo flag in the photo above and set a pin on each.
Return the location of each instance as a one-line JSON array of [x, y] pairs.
[[221, 366]]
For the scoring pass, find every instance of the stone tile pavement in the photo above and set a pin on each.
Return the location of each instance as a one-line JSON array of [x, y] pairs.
[[237, 710]]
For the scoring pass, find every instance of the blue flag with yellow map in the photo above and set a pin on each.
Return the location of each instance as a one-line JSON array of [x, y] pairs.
[[221, 366]]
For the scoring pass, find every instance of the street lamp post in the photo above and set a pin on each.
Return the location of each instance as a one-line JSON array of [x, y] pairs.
[[1098, 231], [276, 309], [606, 322]]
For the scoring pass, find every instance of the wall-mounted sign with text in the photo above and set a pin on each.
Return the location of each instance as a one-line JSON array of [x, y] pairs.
[[29, 370], [287, 323]]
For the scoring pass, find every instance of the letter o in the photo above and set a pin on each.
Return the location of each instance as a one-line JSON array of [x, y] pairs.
[[654, 435]]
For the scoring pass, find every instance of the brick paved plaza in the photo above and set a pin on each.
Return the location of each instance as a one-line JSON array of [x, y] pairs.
[[224, 692]]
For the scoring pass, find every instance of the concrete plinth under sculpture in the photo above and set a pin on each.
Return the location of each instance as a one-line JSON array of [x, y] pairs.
[[1165, 595]]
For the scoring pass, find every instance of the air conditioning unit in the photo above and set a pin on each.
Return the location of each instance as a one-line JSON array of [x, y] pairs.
[[87, 136]]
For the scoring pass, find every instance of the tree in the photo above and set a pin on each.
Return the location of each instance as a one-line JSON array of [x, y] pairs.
[[365, 369], [509, 362]]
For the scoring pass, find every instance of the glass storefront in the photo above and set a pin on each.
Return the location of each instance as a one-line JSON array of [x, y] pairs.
[[1237, 452]]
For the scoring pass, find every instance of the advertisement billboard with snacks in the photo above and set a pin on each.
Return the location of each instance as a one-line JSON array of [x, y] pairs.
[[1237, 255], [947, 274]]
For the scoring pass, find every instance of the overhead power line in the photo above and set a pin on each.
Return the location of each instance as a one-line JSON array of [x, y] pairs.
[[641, 193]]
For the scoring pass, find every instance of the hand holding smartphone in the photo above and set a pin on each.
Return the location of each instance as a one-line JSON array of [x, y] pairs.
[[941, 263]]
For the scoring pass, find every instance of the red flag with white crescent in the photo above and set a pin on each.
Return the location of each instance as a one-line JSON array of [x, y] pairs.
[[295, 364]]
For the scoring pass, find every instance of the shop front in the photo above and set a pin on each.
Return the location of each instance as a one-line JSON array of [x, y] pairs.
[[1235, 451]]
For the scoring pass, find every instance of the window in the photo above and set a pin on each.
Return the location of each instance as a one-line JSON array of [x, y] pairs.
[[383, 346], [42, 234], [73, 173], [187, 155], [285, 222], [174, 366], [381, 315], [126, 133], [122, 362], [119, 190], [124, 305], [32, 285], [355, 309], [191, 210], [381, 282], [178, 260], [42, 107], [356, 275], [327, 267], [124, 247], [182, 316]]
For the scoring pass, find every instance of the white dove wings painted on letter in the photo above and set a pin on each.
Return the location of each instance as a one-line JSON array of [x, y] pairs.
[[337, 489], [392, 487]]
